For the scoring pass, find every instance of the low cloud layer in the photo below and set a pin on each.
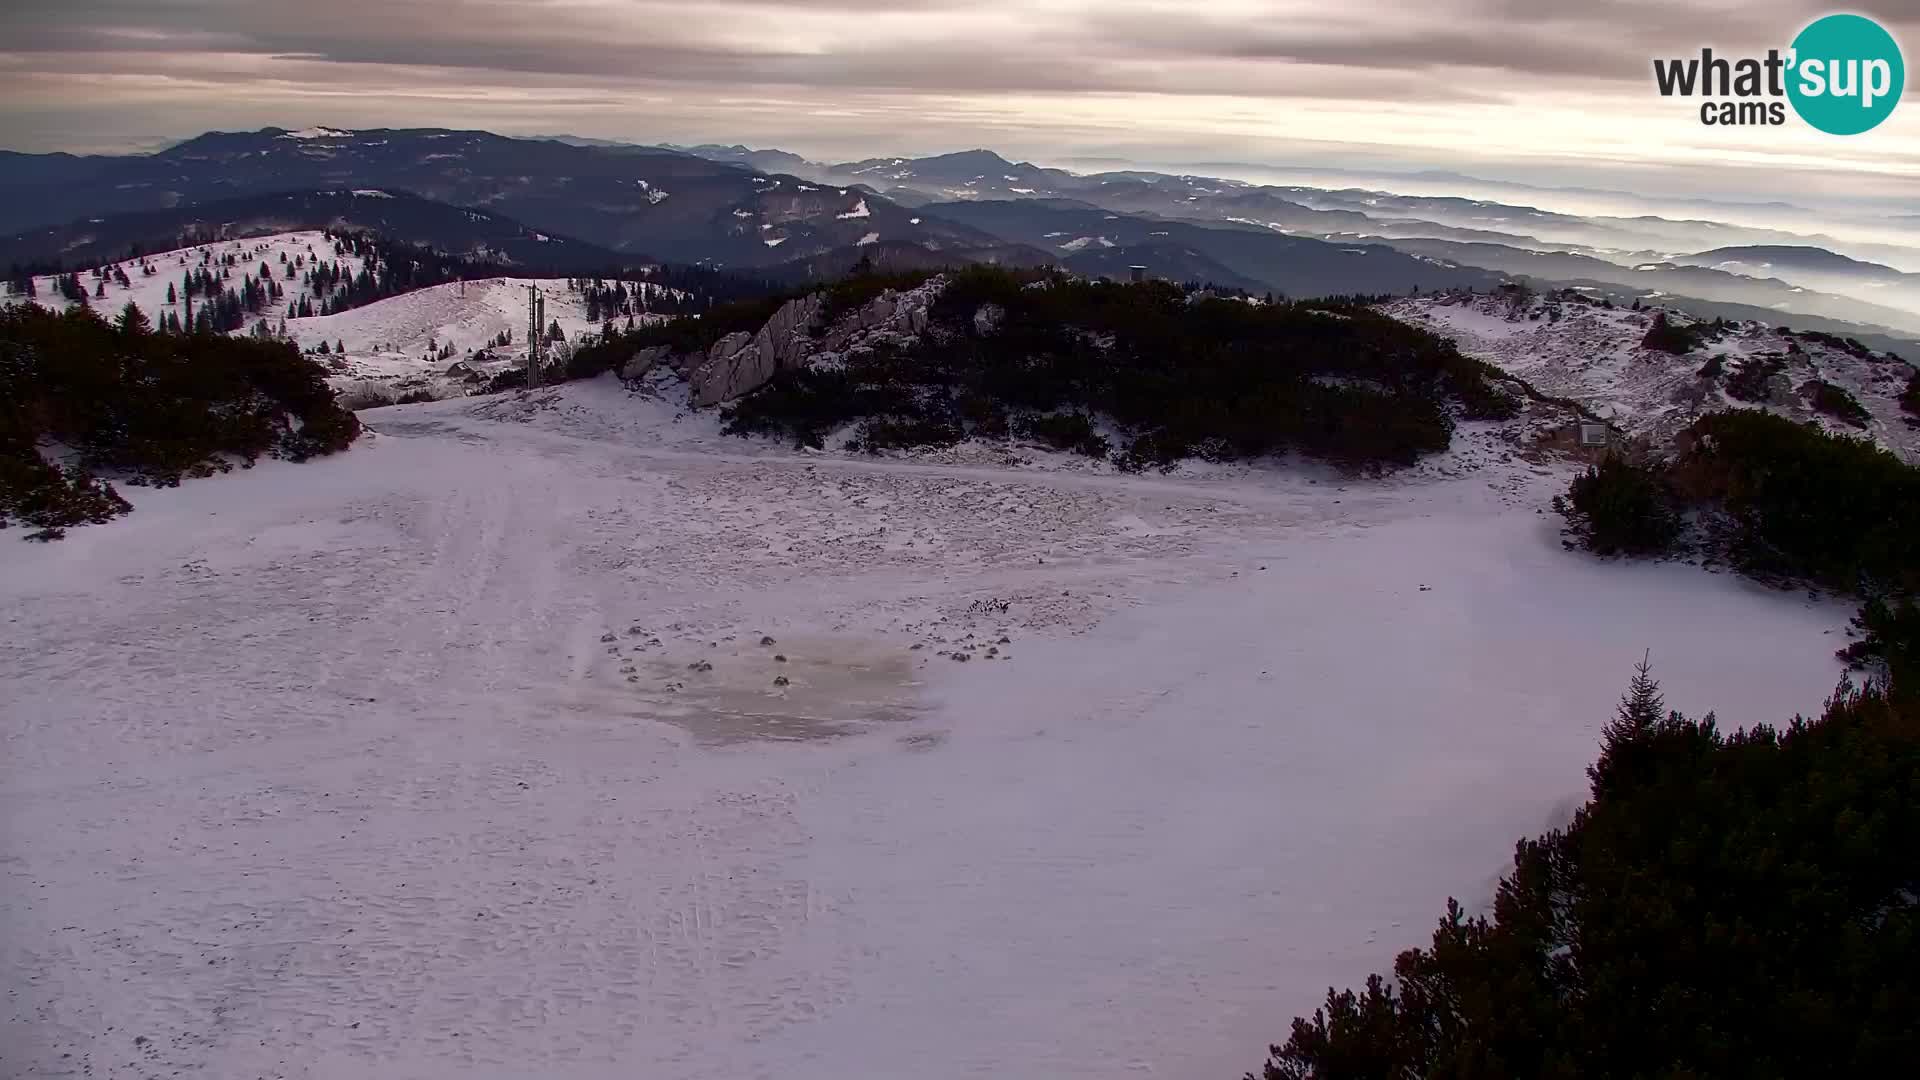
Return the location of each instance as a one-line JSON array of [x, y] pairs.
[[1513, 85]]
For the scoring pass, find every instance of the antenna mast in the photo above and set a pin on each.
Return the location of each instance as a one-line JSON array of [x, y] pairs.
[[536, 306]]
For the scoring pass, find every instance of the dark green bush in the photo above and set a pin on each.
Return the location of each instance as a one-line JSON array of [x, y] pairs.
[[1836, 402], [1066, 431], [1751, 376], [1178, 378], [1618, 508], [1670, 337], [1889, 644], [149, 408], [1725, 906], [1804, 505]]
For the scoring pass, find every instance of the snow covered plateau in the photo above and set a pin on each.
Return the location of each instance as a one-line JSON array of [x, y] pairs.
[[557, 735]]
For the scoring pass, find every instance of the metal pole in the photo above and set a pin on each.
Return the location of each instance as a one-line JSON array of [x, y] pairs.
[[533, 335]]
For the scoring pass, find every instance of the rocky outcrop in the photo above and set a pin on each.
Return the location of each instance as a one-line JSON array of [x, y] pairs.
[[741, 363], [645, 361]]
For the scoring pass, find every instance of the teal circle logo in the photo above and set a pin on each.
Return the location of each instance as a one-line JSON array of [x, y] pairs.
[[1847, 74]]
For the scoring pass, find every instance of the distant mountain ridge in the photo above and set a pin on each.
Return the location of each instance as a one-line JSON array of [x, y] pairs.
[[663, 203], [398, 215], [733, 206]]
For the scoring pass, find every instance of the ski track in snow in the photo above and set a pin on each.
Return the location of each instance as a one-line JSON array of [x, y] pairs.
[[328, 770]]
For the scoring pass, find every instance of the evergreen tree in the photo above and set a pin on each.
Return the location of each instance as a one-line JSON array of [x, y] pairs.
[[133, 320], [339, 346], [1627, 738], [172, 297]]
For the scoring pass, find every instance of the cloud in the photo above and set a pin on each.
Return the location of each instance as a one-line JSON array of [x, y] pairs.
[[1440, 80]]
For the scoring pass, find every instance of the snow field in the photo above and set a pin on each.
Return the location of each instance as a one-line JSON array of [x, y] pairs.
[[461, 754]]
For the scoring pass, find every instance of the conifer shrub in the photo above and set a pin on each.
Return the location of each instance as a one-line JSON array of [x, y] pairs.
[[1835, 401], [1724, 905], [1619, 508], [1176, 376], [1749, 379], [144, 408], [1795, 503], [1668, 336], [1066, 431]]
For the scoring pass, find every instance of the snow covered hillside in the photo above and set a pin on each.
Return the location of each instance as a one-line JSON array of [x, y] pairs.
[[398, 341], [393, 344], [150, 291], [1594, 355], [557, 735]]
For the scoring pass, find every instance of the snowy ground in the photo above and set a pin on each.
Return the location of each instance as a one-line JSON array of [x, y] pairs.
[[1594, 355], [394, 338], [171, 267], [392, 343], [394, 764]]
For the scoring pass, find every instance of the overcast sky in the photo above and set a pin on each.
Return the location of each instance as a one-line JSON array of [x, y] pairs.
[[1556, 91]]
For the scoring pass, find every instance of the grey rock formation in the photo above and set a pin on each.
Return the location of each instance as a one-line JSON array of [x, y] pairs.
[[644, 361], [987, 318], [741, 363]]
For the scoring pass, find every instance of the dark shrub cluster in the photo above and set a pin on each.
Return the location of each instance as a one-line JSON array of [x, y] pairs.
[[1749, 379], [1804, 505], [1785, 501], [1667, 336], [1889, 644], [1179, 376], [1835, 401], [1619, 508], [1724, 906], [150, 408], [1851, 346], [1066, 431]]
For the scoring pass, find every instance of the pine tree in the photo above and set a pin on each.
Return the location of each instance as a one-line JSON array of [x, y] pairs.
[[1628, 736], [339, 346], [324, 349], [172, 297], [133, 320]]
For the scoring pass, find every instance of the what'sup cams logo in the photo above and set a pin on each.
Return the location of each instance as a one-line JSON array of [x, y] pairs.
[[1843, 75]]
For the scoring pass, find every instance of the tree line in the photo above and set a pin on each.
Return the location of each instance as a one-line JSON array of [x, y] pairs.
[[141, 407]]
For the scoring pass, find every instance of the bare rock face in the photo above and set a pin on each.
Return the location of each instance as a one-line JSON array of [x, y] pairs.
[[890, 313], [740, 363], [644, 361], [987, 318]]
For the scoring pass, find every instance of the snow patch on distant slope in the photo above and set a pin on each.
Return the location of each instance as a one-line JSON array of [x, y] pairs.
[[1593, 354], [859, 211]]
